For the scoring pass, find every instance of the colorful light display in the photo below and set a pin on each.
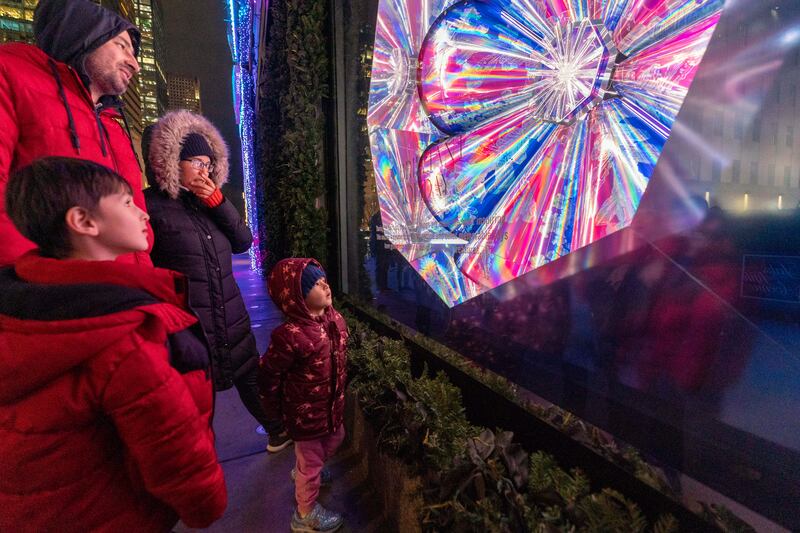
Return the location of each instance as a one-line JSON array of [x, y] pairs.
[[506, 134], [244, 49]]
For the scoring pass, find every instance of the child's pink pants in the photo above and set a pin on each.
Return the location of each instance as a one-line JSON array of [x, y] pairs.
[[311, 457]]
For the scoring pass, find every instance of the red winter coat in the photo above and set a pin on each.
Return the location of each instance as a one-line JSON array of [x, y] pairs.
[[302, 375], [34, 123], [97, 431]]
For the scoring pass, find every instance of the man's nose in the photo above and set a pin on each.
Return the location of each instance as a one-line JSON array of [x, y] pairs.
[[134, 63]]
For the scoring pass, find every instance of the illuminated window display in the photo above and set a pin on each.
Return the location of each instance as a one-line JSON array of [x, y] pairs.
[[599, 202], [507, 134]]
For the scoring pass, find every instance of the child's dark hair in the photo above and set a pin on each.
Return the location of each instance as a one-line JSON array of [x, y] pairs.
[[39, 195]]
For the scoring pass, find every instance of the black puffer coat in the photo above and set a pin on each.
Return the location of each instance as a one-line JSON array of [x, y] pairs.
[[198, 241]]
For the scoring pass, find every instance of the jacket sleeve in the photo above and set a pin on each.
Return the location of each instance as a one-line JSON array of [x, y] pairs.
[[231, 223], [9, 132], [158, 421], [272, 368], [11, 242]]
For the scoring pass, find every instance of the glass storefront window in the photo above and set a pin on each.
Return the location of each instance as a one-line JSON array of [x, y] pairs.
[[678, 333]]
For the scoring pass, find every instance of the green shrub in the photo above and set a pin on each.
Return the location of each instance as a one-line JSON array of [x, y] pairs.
[[438, 407], [421, 419], [291, 132], [476, 479]]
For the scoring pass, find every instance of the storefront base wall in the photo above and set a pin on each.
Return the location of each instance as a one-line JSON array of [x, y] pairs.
[[400, 493]]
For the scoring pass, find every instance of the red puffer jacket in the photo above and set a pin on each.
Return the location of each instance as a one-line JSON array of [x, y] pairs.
[[35, 122], [302, 375], [97, 431]]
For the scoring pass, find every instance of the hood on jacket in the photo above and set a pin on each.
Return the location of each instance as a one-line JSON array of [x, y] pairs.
[[165, 148], [69, 30], [285, 289], [56, 314]]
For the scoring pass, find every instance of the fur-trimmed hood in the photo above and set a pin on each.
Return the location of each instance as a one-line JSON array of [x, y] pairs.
[[163, 156]]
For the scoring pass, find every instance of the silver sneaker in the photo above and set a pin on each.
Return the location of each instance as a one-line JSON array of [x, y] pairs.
[[325, 477], [319, 519]]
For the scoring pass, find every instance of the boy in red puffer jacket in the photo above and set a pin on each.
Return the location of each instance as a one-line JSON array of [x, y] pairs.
[[302, 379], [98, 430]]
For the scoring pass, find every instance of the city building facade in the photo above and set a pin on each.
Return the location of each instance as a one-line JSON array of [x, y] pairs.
[[184, 93], [16, 20], [152, 79]]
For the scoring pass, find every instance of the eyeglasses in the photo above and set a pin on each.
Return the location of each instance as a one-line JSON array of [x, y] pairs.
[[199, 165]]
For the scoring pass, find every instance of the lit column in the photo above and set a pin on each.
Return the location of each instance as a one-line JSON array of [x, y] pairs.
[[240, 39]]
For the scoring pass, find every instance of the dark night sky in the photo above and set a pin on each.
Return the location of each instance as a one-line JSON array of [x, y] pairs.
[[197, 45]]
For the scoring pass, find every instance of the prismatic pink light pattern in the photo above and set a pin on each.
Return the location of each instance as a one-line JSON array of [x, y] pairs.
[[506, 134]]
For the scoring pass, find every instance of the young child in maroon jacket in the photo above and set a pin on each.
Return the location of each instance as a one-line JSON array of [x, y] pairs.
[[302, 380], [98, 429]]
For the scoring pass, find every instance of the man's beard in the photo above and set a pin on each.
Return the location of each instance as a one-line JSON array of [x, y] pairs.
[[107, 80]]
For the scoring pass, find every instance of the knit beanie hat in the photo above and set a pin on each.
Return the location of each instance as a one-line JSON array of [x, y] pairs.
[[311, 275], [193, 145]]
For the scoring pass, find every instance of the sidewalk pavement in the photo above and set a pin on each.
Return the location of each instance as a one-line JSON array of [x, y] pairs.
[[260, 491]]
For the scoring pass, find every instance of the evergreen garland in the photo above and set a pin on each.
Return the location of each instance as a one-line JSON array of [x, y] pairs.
[[294, 221], [269, 132]]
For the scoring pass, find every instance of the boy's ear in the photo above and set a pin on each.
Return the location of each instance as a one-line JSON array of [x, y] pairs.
[[79, 220]]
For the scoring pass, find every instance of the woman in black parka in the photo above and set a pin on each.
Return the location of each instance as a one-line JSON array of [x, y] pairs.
[[196, 231]]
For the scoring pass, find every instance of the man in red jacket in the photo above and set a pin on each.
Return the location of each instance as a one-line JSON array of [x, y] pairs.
[[61, 98], [99, 432]]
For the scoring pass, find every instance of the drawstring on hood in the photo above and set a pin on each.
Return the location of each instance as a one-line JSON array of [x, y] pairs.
[[112, 102], [121, 110], [101, 130], [73, 132]]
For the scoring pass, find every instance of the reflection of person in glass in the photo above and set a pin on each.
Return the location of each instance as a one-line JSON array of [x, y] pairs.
[[690, 316], [385, 256], [671, 314], [667, 334]]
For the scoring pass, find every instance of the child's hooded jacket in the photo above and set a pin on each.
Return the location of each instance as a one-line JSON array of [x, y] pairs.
[[97, 431], [302, 375]]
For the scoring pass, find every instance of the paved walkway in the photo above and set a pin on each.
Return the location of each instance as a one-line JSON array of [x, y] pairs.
[[260, 492]]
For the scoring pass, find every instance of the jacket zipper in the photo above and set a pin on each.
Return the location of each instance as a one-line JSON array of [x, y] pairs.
[[334, 379], [219, 352]]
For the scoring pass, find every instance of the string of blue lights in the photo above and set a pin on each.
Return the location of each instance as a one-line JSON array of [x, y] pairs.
[[244, 51]]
